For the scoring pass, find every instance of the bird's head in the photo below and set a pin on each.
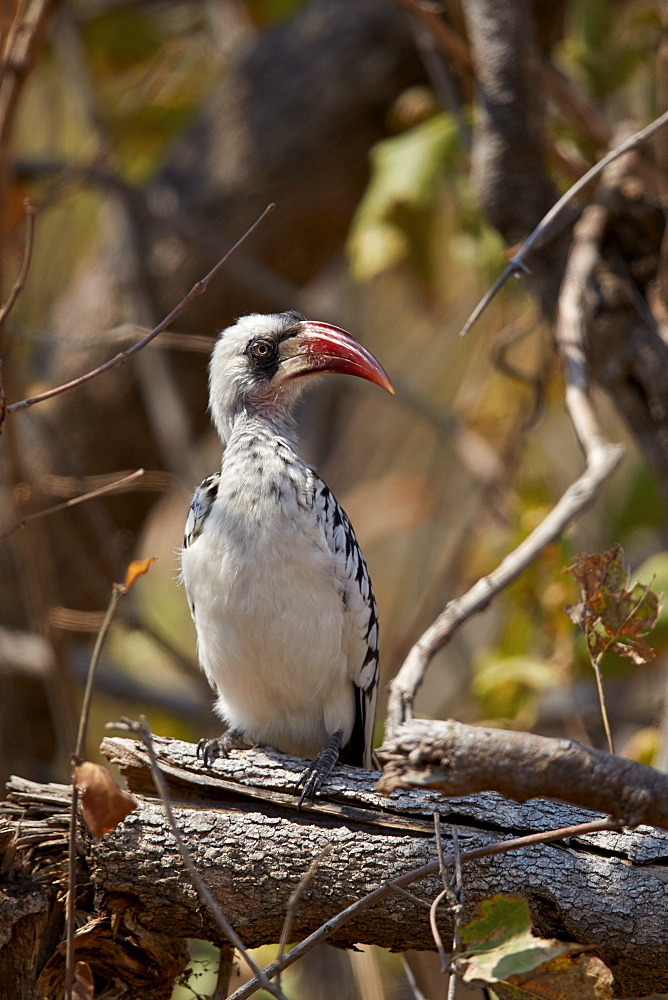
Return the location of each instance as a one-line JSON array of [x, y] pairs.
[[261, 363]]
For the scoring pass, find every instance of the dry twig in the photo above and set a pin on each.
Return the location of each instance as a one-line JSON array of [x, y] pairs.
[[445, 893], [117, 593], [18, 55], [113, 487], [198, 289], [30, 211], [516, 265], [458, 892], [601, 459]]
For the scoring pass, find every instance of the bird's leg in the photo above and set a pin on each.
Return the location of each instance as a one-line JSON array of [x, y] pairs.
[[210, 749], [319, 770]]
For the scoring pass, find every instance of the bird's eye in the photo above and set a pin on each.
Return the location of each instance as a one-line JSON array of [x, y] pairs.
[[261, 349]]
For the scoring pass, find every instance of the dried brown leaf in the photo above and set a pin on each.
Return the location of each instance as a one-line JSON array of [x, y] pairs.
[[103, 803], [612, 616], [603, 572], [584, 977]]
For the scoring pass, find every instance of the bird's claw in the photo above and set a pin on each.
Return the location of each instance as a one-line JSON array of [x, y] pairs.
[[211, 749], [319, 770]]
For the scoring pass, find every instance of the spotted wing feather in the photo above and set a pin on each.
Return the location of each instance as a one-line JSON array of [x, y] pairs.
[[361, 619], [200, 505]]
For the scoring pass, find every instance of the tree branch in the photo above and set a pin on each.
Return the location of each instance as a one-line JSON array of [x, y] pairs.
[[545, 228], [252, 847], [198, 289], [461, 760], [30, 210], [116, 486]]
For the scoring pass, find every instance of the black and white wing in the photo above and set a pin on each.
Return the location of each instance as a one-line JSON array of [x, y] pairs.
[[361, 619], [200, 505]]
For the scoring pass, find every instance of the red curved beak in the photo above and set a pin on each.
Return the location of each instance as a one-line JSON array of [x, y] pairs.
[[319, 347]]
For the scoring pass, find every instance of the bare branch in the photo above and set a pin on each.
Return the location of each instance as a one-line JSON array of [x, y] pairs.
[[115, 486], [18, 56], [601, 460], [30, 211], [516, 265], [198, 288], [462, 760]]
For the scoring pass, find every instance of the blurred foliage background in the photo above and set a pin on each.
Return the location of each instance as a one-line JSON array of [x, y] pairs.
[[141, 132]]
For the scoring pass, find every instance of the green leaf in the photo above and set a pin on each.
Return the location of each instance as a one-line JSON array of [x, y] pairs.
[[405, 173], [498, 942], [510, 687]]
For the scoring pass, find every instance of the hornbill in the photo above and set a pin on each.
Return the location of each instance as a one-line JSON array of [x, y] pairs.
[[278, 588]]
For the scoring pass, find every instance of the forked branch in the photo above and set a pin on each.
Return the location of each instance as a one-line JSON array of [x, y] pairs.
[[601, 459]]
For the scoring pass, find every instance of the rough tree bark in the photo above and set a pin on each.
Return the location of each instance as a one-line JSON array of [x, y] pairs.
[[252, 847]]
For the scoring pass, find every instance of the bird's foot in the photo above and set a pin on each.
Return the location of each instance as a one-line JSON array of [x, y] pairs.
[[211, 749], [319, 770]]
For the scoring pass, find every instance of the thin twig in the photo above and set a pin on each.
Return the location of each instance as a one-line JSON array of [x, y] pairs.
[[574, 502], [30, 210], [500, 847], [117, 592], [100, 491], [458, 886], [142, 731], [449, 41], [198, 288], [516, 264], [446, 892], [596, 664], [424, 903], [601, 701], [442, 954], [25, 33], [458, 909], [293, 903], [71, 894]]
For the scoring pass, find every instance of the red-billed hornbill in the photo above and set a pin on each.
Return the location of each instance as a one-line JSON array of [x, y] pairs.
[[278, 587]]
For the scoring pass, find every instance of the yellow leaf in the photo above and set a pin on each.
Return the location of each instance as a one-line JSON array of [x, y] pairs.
[[137, 568]]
